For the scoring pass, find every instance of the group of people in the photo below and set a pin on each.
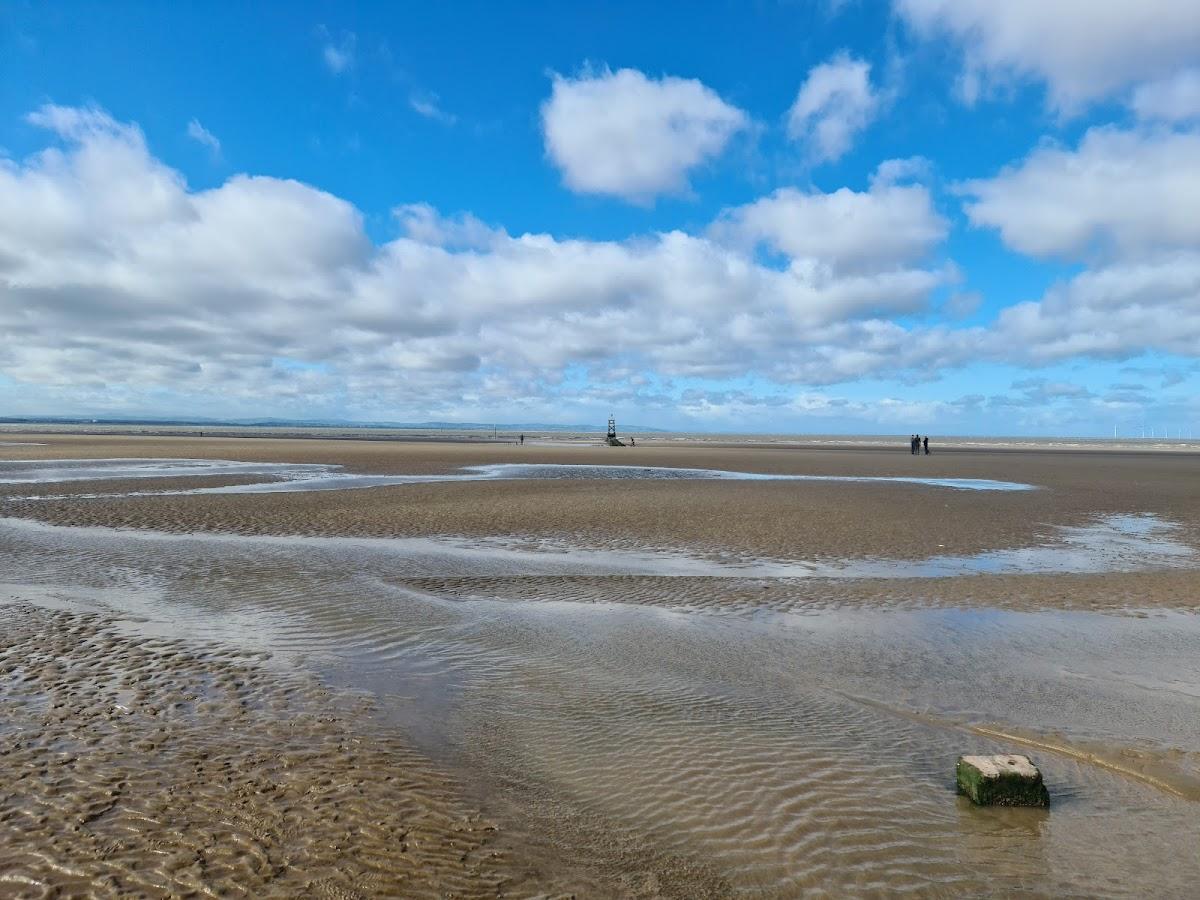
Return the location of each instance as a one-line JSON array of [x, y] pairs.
[[917, 443]]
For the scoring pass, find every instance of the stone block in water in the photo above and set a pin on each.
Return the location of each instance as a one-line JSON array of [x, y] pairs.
[[1007, 779]]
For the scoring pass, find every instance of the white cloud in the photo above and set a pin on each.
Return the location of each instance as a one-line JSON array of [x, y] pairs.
[[834, 104], [1122, 202], [119, 285], [732, 407], [203, 136], [107, 181], [339, 57], [1083, 50], [626, 135], [885, 410], [1116, 311], [897, 171], [962, 304], [113, 274], [879, 230], [80, 123], [428, 105], [1173, 99], [1119, 193], [426, 225], [1039, 390]]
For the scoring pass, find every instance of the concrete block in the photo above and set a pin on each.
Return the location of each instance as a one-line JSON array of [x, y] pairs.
[[1007, 779]]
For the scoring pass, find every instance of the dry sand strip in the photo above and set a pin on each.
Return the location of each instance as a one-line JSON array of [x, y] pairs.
[[154, 768]]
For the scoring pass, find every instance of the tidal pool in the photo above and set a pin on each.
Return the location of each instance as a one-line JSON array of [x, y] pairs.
[[322, 477], [789, 752]]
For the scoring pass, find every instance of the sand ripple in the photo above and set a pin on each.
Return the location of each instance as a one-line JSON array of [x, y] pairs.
[[666, 687], [707, 748], [159, 769]]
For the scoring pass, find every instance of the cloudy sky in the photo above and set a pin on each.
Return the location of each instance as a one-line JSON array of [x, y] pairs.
[[957, 216]]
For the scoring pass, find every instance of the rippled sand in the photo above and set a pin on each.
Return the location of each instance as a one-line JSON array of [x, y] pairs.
[[162, 768], [645, 689]]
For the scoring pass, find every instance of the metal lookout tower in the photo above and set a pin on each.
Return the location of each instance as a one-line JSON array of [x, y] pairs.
[[611, 437]]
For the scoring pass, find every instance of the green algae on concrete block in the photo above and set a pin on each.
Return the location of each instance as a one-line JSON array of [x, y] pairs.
[[1007, 779]]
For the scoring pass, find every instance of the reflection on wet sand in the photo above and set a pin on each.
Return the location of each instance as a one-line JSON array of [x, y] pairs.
[[1110, 544], [152, 767], [295, 477], [784, 752]]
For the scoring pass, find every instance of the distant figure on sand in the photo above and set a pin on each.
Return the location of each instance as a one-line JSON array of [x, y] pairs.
[[926, 443], [912, 444], [522, 440], [632, 442]]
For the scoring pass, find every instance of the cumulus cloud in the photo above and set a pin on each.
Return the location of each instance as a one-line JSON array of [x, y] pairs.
[[835, 103], [1119, 192], [1121, 202], [626, 135], [80, 123], [426, 225], [897, 171], [1116, 311], [1083, 50], [962, 304], [1173, 99], [115, 273], [879, 230], [203, 136], [120, 284]]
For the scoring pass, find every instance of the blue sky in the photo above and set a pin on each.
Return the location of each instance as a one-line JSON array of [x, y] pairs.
[[958, 217]]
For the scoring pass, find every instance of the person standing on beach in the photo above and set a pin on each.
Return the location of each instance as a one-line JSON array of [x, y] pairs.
[[522, 440], [912, 444], [926, 442]]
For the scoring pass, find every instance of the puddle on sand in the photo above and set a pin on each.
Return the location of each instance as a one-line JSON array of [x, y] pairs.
[[1110, 544], [291, 477], [792, 753], [58, 471]]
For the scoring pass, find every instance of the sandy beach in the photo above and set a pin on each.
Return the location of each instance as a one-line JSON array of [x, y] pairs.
[[605, 686], [761, 518], [160, 768], [571, 451]]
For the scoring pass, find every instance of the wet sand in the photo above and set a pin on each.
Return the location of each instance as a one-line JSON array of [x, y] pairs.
[[812, 520], [566, 705], [162, 768]]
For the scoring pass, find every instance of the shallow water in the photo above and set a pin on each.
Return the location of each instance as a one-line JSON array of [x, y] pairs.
[[291, 477], [1110, 544], [791, 752]]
